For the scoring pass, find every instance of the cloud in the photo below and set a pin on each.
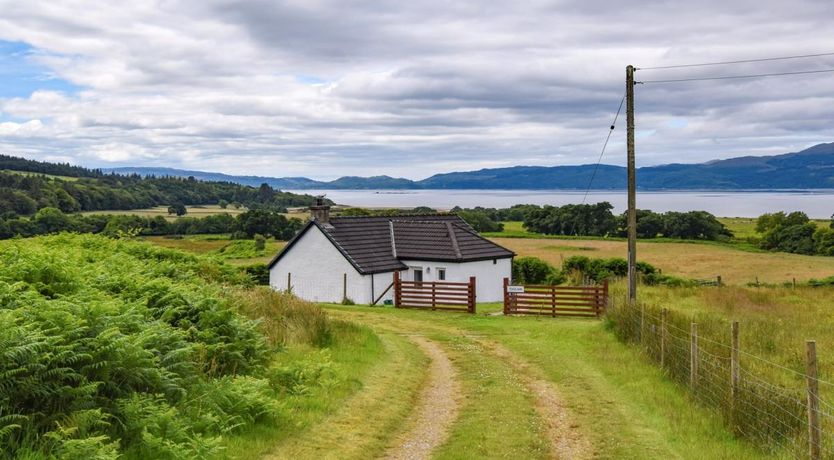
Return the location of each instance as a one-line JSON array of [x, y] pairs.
[[324, 88]]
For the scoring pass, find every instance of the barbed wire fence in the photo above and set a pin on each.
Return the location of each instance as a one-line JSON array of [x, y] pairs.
[[773, 406]]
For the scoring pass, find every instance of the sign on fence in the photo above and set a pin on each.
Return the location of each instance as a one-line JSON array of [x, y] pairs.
[[515, 289]]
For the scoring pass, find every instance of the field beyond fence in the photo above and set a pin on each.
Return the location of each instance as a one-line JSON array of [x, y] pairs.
[[783, 409]]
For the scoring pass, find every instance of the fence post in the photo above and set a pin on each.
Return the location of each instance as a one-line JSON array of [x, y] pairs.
[[289, 281], [718, 280], [735, 374], [693, 356], [814, 430], [344, 286], [472, 296], [506, 296], [553, 301], [397, 290], [663, 314], [433, 295]]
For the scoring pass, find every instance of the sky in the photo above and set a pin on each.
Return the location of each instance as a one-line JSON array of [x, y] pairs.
[[324, 89]]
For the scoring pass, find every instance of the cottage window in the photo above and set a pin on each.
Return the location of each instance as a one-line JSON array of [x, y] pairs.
[[441, 274], [418, 274]]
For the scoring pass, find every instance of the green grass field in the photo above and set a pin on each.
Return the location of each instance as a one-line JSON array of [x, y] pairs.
[[236, 252], [193, 211], [27, 173]]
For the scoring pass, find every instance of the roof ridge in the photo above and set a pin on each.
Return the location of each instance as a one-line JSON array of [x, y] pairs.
[[393, 241], [454, 240]]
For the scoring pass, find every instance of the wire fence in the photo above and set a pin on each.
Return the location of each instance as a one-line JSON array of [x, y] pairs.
[[768, 404]]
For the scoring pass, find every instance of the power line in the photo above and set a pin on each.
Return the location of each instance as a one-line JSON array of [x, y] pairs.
[[743, 61], [734, 77], [604, 145]]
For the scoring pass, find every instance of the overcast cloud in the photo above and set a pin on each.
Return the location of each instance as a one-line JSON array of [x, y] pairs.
[[330, 88]]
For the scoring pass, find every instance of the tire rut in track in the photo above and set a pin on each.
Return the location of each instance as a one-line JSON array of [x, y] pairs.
[[437, 407], [566, 441]]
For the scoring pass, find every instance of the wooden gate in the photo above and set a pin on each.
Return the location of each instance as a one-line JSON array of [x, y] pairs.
[[583, 301], [434, 295]]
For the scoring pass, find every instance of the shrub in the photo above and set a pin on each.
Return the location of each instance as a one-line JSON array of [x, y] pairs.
[[583, 268], [532, 270]]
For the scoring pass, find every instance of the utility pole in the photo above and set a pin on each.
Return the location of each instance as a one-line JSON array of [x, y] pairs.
[[632, 188]]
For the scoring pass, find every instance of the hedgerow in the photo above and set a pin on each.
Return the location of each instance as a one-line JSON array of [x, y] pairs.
[[115, 348]]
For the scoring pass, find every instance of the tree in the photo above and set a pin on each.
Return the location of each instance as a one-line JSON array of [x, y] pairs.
[[480, 221], [177, 208], [51, 220], [699, 225], [265, 193], [532, 270], [824, 240], [223, 204], [262, 221], [260, 242]]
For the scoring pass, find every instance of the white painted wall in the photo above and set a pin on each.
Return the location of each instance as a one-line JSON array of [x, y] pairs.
[[318, 269], [489, 276]]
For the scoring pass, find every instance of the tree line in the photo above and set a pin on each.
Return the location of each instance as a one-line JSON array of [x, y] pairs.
[[796, 233], [24, 194], [259, 221], [597, 220]]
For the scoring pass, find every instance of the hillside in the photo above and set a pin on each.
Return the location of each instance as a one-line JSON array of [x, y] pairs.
[[812, 168], [27, 186]]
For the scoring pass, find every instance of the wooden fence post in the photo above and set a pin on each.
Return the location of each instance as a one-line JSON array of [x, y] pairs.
[[289, 281], [553, 301], [472, 296], [693, 356], [718, 280], [506, 296], [397, 290], [814, 430], [663, 314], [735, 374], [344, 286], [433, 295]]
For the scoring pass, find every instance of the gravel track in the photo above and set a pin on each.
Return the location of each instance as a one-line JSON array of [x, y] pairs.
[[437, 407]]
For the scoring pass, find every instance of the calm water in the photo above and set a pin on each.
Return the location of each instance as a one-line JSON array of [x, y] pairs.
[[816, 203]]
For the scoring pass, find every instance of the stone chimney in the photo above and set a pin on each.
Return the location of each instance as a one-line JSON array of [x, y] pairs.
[[320, 212]]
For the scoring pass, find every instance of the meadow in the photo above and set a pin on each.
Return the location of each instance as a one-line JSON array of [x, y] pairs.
[[235, 252], [193, 211], [737, 263]]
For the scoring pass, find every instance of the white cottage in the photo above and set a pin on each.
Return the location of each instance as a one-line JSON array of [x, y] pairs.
[[357, 256]]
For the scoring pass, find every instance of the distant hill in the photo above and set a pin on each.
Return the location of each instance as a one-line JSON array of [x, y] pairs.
[[812, 168]]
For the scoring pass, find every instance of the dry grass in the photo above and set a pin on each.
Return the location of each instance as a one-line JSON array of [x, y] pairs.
[[285, 319], [691, 260]]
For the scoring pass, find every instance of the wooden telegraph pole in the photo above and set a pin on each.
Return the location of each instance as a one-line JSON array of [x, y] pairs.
[[632, 188]]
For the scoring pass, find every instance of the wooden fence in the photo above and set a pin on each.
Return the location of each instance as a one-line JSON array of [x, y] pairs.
[[583, 301], [434, 295]]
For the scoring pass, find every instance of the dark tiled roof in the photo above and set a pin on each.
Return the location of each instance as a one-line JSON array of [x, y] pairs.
[[377, 244]]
